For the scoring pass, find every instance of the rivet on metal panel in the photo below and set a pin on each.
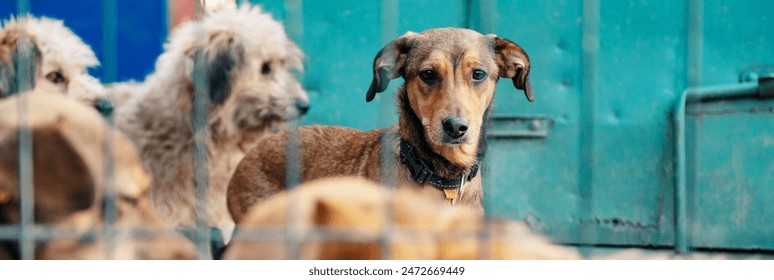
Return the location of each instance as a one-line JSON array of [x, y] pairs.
[[561, 45], [534, 222], [535, 125], [566, 82]]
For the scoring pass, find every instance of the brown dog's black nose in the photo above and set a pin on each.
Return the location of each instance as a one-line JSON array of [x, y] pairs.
[[302, 106], [455, 127]]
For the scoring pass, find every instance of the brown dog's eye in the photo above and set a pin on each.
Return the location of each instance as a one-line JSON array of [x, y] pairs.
[[266, 68], [479, 75], [55, 77], [429, 76]]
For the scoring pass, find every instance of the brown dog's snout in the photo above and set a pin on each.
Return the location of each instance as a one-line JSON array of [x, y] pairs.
[[455, 127]]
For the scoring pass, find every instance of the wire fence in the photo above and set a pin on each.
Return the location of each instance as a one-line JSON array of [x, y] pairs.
[[26, 236]]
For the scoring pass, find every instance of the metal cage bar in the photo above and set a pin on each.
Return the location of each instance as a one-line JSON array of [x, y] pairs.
[[25, 156], [590, 44], [200, 116], [28, 232]]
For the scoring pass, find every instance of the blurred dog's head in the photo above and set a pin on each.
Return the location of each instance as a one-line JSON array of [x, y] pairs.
[[353, 218], [43, 54], [78, 165]]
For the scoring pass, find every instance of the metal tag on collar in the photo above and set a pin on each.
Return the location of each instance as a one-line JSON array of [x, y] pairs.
[[454, 194]]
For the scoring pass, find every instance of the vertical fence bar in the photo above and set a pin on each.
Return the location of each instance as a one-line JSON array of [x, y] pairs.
[[590, 43], [24, 80], [293, 157], [695, 41], [389, 31], [110, 197], [487, 10], [110, 58], [200, 115], [26, 234], [22, 7], [26, 192], [486, 19], [109, 40], [293, 177], [295, 20]]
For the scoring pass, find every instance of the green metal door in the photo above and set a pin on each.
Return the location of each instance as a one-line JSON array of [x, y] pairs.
[[592, 160]]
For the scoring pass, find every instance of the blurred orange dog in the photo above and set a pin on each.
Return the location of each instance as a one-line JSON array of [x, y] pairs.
[[352, 218], [69, 178]]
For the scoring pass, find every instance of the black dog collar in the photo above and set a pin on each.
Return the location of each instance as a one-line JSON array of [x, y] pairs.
[[422, 173]]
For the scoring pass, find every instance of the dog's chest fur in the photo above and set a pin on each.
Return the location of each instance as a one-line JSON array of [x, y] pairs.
[[329, 151], [161, 129]]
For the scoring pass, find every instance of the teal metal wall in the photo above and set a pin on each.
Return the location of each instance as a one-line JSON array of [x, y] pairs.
[[592, 160]]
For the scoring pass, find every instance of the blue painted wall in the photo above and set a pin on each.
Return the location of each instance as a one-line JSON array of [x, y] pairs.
[[141, 31]]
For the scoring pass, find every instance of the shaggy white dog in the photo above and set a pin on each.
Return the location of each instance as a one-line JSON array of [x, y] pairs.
[[44, 54], [242, 61]]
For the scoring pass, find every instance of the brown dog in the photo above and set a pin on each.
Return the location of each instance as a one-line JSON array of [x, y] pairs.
[[72, 147], [450, 76], [353, 218]]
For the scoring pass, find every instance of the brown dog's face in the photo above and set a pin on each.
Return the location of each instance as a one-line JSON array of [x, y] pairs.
[[450, 76], [450, 88]]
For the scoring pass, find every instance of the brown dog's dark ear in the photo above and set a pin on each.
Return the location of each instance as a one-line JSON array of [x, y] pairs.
[[513, 63], [20, 58], [389, 63]]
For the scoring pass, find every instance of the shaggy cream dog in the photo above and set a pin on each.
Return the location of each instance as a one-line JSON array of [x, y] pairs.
[[44, 54], [242, 60]]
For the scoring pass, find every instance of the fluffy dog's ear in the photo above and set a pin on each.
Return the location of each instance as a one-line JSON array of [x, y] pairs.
[[513, 63], [389, 63], [217, 61], [19, 62]]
